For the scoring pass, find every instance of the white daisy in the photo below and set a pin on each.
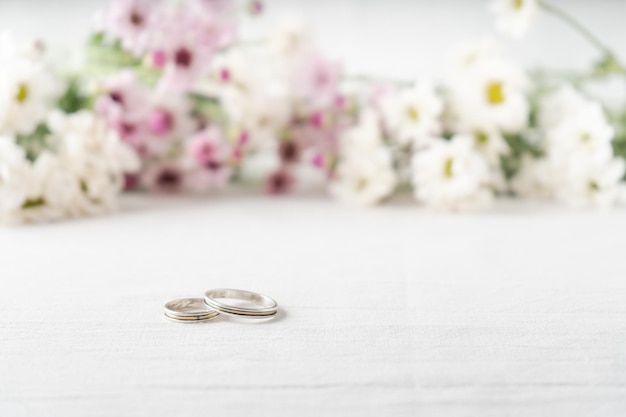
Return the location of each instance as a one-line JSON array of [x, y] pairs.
[[28, 92], [18, 184], [261, 115], [289, 37], [451, 175], [412, 115], [559, 105], [592, 183], [514, 17], [492, 96], [365, 175], [60, 188], [585, 132], [467, 55], [95, 156], [537, 178]]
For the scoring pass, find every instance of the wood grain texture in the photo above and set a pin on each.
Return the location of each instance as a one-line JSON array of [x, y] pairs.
[[391, 311]]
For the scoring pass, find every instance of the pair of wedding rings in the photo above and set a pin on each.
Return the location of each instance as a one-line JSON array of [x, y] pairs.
[[239, 303]]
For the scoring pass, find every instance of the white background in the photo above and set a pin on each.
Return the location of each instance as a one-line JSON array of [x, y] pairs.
[[404, 38], [392, 311]]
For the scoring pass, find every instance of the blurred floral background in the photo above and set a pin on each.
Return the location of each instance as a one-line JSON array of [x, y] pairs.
[[457, 103]]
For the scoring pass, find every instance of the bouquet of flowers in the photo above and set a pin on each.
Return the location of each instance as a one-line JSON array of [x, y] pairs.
[[55, 161], [202, 109]]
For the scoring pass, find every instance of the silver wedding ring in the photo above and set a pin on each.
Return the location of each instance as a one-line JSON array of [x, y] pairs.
[[241, 303], [189, 310]]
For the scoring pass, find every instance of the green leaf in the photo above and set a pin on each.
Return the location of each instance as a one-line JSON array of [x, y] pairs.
[[97, 39], [33, 203], [520, 147], [74, 99], [208, 107], [35, 142]]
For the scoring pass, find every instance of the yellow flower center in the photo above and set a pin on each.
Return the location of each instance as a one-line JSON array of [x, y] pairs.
[[495, 95], [481, 138], [361, 184], [585, 137], [22, 93], [447, 168], [518, 4], [412, 113], [593, 186]]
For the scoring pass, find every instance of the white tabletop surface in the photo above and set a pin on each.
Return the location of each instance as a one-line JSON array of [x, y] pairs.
[[390, 311]]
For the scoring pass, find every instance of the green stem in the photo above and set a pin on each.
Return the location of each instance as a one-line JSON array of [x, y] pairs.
[[586, 33]]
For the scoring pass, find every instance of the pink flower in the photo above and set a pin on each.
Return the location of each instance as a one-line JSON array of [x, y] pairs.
[[213, 7], [316, 81], [186, 63], [124, 97], [317, 119], [213, 32], [132, 22], [160, 122], [255, 7], [164, 178], [212, 175], [131, 181], [132, 133], [319, 160], [279, 182], [158, 59], [210, 154], [191, 37], [168, 119], [289, 152], [123, 107], [208, 146]]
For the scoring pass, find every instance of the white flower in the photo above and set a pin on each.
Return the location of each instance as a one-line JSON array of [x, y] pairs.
[[467, 55], [28, 92], [365, 134], [261, 115], [365, 175], [253, 95], [60, 188], [259, 164], [578, 167], [412, 115], [537, 178], [289, 37], [592, 183], [514, 17], [94, 156], [491, 96], [491, 144], [560, 105], [586, 132], [451, 175], [17, 181], [83, 135]]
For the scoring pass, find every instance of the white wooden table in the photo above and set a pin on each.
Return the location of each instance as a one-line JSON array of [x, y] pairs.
[[391, 311]]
